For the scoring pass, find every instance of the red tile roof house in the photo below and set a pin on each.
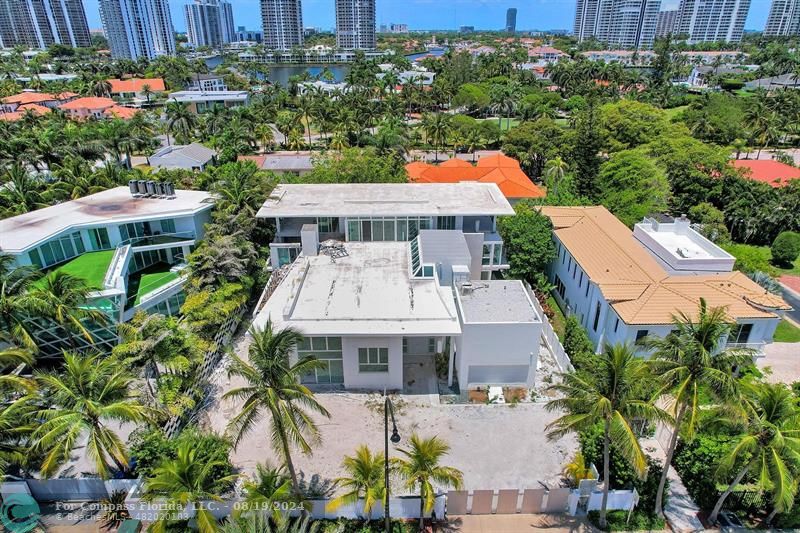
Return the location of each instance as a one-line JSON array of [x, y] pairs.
[[774, 173], [13, 102], [95, 107], [133, 88], [14, 116], [500, 169]]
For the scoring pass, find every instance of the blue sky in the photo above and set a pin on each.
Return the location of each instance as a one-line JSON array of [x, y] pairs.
[[427, 14]]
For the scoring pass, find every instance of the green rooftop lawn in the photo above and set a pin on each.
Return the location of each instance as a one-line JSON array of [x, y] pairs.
[[786, 332], [91, 267], [151, 282]]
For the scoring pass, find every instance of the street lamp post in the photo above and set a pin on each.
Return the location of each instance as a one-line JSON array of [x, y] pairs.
[[388, 409]]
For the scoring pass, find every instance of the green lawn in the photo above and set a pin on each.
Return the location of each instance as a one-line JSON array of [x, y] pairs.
[[750, 258], [505, 124], [558, 321], [91, 267], [786, 332], [673, 112], [151, 282]]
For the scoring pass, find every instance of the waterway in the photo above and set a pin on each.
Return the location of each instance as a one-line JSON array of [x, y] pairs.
[[281, 73]]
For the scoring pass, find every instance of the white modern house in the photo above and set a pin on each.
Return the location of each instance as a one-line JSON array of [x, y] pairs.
[[383, 279], [130, 248], [624, 285]]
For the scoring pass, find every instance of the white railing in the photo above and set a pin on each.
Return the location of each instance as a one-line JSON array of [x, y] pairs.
[[757, 347], [161, 290], [116, 269], [549, 335]]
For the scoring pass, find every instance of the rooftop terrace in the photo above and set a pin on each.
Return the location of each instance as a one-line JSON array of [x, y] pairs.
[[496, 301], [91, 267]]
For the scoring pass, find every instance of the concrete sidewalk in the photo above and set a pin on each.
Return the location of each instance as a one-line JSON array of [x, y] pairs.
[[517, 523]]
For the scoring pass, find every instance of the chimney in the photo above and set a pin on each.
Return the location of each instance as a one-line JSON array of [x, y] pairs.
[[309, 239]]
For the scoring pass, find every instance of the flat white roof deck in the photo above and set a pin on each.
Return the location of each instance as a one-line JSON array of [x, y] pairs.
[[113, 206], [681, 248], [496, 301], [385, 199], [368, 292]]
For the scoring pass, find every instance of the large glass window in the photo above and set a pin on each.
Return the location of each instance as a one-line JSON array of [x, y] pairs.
[[373, 359], [167, 226], [445, 222], [57, 250], [98, 238], [740, 333], [328, 224], [327, 350], [385, 228]]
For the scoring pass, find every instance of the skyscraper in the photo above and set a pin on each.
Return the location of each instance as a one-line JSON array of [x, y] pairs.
[[784, 18], [712, 20], [355, 24], [667, 20], [511, 20], [40, 23], [283, 23], [209, 23], [622, 23], [138, 28]]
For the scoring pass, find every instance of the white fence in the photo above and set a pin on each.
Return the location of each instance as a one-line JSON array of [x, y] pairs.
[[68, 490], [549, 335]]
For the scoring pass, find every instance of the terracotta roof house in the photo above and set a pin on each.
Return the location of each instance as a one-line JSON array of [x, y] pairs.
[[500, 169], [626, 285], [774, 173], [133, 88], [13, 116], [11, 103], [96, 107]]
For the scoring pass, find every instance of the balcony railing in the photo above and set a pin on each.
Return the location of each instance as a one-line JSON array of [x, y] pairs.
[[161, 238], [757, 347]]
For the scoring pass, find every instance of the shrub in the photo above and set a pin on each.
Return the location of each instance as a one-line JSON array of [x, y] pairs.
[[578, 346], [785, 248], [619, 521], [750, 259], [696, 463]]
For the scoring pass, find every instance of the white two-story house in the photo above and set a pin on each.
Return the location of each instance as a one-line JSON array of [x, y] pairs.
[[383, 280], [130, 248], [625, 285]]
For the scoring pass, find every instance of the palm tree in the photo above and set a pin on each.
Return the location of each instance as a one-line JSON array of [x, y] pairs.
[[689, 360], [364, 479], [65, 295], [611, 396], [554, 172], [474, 141], [147, 92], [186, 481], [273, 386], [265, 135], [260, 523], [739, 146], [271, 485], [21, 192], [101, 87], [17, 305], [180, 120], [91, 392], [437, 127], [768, 443], [15, 425], [420, 468]]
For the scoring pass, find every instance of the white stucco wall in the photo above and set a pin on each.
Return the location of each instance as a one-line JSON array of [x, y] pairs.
[[498, 345], [353, 379]]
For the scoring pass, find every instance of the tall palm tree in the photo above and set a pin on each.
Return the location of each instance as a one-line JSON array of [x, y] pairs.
[[689, 360], [17, 305], [611, 396], [21, 192], [769, 444], [420, 469], [273, 386], [16, 423], [554, 172], [437, 128], [185, 481], [474, 141], [180, 120], [79, 403], [265, 136], [364, 479], [65, 295], [101, 87]]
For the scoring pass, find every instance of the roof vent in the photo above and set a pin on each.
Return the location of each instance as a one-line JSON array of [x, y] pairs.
[[467, 288]]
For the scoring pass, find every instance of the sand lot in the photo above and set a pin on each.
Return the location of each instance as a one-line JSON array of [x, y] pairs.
[[496, 446]]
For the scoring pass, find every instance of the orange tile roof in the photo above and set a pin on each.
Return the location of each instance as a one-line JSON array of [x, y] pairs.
[[500, 169], [10, 117], [775, 173], [135, 85], [257, 159], [36, 108], [89, 102], [119, 111], [636, 285], [29, 98]]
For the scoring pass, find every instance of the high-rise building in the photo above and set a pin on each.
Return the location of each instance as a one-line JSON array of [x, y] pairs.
[[40, 23], [784, 18], [209, 23], [618, 23], [283, 23], [138, 28], [667, 20], [511, 20], [355, 24], [712, 20], [398, 28]]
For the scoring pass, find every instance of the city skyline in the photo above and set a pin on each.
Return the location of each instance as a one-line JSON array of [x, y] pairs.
[[431, 14]]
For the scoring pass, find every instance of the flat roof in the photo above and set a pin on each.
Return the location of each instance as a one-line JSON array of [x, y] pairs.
[[110, 206], [367, 292], [385, 199], [496, 301], [681, 243], [205, 96]]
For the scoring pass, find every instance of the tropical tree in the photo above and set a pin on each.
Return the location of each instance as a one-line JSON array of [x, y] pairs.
[[21, 192], [364, 479], [17, 305], [265, 136], [420, 469], [186, 481], [273, 386], [554, 172], [101, 87], [15, 426], [79, 404], [692, 361], [270, 485], [260, 523], [180, 120], [611, 396], [474, 141], [437, 128], [768, 444]]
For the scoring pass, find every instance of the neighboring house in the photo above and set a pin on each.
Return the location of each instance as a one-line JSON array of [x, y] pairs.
[[769, 171], [399, 288], [133, 88], [329, 88], [193, 156], [202, 101], [36, 109], [207, 82], [132, 250], [773, 83], [296, 163], [500, 169], [546, 54], [51, 101], [96, 107], [701, 74], [625, 285]]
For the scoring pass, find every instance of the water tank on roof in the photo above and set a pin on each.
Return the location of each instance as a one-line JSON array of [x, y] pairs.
[[151, 188], [170, 188], [132, 186], [160, 189], [141, 185]]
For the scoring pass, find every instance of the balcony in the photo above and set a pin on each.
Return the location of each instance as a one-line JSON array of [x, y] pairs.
[[185, 237], [155, 280], [756, 347]]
